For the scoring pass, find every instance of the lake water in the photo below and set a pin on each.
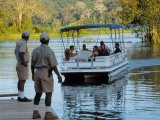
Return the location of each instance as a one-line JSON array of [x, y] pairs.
[[134, 96]]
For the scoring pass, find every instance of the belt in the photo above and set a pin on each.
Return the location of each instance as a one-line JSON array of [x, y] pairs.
[[42, 68]]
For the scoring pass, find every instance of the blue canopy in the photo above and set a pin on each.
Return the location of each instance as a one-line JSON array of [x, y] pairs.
[[77, 28]]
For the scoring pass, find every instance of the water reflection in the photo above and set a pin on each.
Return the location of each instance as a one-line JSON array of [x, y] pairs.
[[143, 51], [144, 95], [95, 102], [148, 77]]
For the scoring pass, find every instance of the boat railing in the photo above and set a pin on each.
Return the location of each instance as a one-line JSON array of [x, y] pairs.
[[95, 62]]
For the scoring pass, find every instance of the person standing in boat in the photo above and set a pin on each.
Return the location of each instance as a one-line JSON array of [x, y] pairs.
[[43, 61], [22, 56], [117, 50]]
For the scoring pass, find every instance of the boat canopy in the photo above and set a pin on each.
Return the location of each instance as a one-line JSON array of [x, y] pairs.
[[77, 28], [72, 33]]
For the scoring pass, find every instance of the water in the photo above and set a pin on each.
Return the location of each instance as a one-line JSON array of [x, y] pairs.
[[134, 96]]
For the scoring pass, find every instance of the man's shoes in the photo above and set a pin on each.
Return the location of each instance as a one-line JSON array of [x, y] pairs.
[[50, 116], [25, 99], [36, 115]]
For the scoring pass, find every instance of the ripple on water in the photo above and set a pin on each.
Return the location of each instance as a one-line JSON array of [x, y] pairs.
[[136, 100], [143, 93], [95, 102]]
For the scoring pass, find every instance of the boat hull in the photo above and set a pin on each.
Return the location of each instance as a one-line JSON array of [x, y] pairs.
[[98, 71], [94, 78]]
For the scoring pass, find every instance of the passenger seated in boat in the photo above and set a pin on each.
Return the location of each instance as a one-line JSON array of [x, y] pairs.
[[69, 52], [101, 43], [117, 50], [95, 51], [84, 47], [84, 54], [66, 53], [103, 51]]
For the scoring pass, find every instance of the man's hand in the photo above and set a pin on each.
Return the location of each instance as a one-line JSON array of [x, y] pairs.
[[59, 79], [57, 73]]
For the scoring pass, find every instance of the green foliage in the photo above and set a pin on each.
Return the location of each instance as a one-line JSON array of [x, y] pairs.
[[129, 11], [2, 26], [39, 29], [143, 13], [27, 24], [88, 40], [50, 15]]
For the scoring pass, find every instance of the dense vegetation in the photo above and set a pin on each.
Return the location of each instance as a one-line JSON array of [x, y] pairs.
[[143, 13], [38, 15], [50, 15]]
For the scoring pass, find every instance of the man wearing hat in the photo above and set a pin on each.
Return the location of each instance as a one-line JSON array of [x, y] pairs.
[[22, 56], [43, 61]]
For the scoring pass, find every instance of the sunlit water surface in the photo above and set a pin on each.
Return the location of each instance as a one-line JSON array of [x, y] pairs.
[[133, 96]]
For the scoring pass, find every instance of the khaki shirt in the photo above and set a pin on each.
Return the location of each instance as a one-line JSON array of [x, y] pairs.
[[43, 56], [21, 46]]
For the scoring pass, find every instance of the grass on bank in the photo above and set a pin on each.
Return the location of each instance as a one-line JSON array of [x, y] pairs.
[[12, 37]]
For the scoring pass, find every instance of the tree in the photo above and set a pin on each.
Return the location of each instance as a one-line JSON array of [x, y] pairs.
[[20, 9], [143, 13], [101, 9], [129, 9], [23, 14]]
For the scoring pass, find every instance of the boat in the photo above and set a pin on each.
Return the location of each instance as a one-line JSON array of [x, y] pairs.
[[86, 69]]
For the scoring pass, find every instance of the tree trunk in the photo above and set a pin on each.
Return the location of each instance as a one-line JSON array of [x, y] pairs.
[[20, 19], [155, 35], [152, 35]]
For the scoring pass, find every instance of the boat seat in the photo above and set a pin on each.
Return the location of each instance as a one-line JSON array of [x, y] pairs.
[[84, 55]]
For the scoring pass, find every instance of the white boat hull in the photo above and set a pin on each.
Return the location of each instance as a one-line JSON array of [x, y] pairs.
[[100, 67]]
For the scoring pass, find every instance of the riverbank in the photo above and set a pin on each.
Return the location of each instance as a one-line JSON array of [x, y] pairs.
[[11, 37]]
